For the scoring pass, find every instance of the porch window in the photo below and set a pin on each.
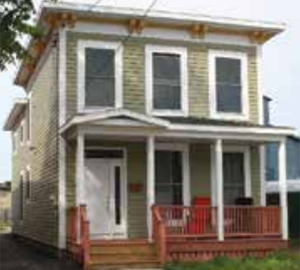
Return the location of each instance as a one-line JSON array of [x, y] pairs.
[[100, 77], [168, 178], [234, 180]]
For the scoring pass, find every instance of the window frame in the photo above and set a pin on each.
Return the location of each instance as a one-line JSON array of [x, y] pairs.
[[243, 57], [182, 52], [82, 45], [185, 153]]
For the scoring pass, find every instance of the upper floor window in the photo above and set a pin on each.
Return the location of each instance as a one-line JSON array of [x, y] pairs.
[[166, 80], [99, 75], [228, 85]]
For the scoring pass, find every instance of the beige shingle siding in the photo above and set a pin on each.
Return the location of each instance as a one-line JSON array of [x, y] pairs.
[[134, 73], [134, 77], [40, 212]]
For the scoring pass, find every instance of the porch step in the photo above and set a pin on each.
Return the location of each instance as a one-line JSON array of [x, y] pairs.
[[123, 254]]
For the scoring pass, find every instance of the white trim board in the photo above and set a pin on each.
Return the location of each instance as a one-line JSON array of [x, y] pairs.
[[182, 52], [118, 48], [161, 34], [214, 113]]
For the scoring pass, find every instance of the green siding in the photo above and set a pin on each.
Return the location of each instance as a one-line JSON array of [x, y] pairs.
[[200, 170], [40, 220], [134, 77], [255, 174]]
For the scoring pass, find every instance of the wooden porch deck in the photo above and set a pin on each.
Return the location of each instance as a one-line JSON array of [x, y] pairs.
[[181, 234]]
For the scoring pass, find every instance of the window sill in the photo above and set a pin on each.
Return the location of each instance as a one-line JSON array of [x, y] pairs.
[[97, 109]]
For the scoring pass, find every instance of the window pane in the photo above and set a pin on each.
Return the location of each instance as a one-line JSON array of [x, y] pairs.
[[166, 81], [167, 97], [118, 217], [168, 178], [100, 92], [228, 84], [100, 78]]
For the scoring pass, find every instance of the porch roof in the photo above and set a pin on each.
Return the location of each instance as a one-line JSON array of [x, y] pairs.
[[127, 123]]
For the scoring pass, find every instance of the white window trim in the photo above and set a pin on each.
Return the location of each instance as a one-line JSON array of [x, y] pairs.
[[247, 165], [15, 143], [117, 47], [182, 52], [244, 115], [23, 133], [184, 149], [29, 134]]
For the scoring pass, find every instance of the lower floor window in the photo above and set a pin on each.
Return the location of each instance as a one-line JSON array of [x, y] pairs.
[[234, 181], [168, 178]]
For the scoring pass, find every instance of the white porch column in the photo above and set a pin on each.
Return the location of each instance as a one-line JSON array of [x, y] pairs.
[[283, 188], [262, 161], [150, 182], [80, 170], [219, 187]]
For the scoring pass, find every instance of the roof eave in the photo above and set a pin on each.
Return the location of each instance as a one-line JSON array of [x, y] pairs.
[[15, 112]]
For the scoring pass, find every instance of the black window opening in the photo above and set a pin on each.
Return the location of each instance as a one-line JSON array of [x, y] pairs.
[[168, 178], [99, 77], [234, 180], [21, 198], [228, 85], [104, 153], [118, 195], [28, 185], [166, 82]]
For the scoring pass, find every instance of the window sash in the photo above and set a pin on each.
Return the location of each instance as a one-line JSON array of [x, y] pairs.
[[166, 91], [104, 81]]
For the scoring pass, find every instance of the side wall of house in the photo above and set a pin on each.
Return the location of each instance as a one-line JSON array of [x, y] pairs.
[[134, 73], [40, 218]]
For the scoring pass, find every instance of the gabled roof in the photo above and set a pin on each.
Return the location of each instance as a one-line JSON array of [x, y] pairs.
[[115, 115], [15, 113]]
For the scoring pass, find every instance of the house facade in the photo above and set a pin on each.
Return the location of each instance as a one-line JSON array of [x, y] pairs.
[[145, 130]]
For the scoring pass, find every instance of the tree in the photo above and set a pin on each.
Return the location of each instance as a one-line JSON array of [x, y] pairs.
[[16, 23]]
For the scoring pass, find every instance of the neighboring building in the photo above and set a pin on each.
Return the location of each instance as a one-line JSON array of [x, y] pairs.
[[293, 175], [5, 205], [130, 121]]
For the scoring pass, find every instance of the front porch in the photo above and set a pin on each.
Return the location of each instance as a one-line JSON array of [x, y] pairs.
[[144, 185]]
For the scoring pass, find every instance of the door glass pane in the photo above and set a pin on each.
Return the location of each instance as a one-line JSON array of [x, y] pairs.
[[99, 77], [228, 84], [118, 195], [168, 178], [234, 182], [166, 81]]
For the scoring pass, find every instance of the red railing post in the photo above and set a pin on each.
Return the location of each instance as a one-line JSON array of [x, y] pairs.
[[84, 236], [159, 234]]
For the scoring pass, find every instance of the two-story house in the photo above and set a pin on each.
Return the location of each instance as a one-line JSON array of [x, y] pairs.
[[141, 139]]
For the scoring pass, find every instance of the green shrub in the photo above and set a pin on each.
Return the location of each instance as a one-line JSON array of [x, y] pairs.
[[279, 261]]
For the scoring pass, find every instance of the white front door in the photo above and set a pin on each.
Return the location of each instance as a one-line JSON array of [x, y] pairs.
[[105, 193]]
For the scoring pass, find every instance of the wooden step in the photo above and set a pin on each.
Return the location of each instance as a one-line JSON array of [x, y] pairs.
[[121, 249], [126, 265]]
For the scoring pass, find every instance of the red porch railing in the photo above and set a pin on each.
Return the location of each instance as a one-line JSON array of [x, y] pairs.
[[197, 222], [251, 221], [78, 234]]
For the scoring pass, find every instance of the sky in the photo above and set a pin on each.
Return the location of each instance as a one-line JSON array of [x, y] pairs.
[[280, 63]]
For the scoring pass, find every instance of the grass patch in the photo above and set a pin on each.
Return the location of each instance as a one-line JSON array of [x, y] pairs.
[[280, 261]]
